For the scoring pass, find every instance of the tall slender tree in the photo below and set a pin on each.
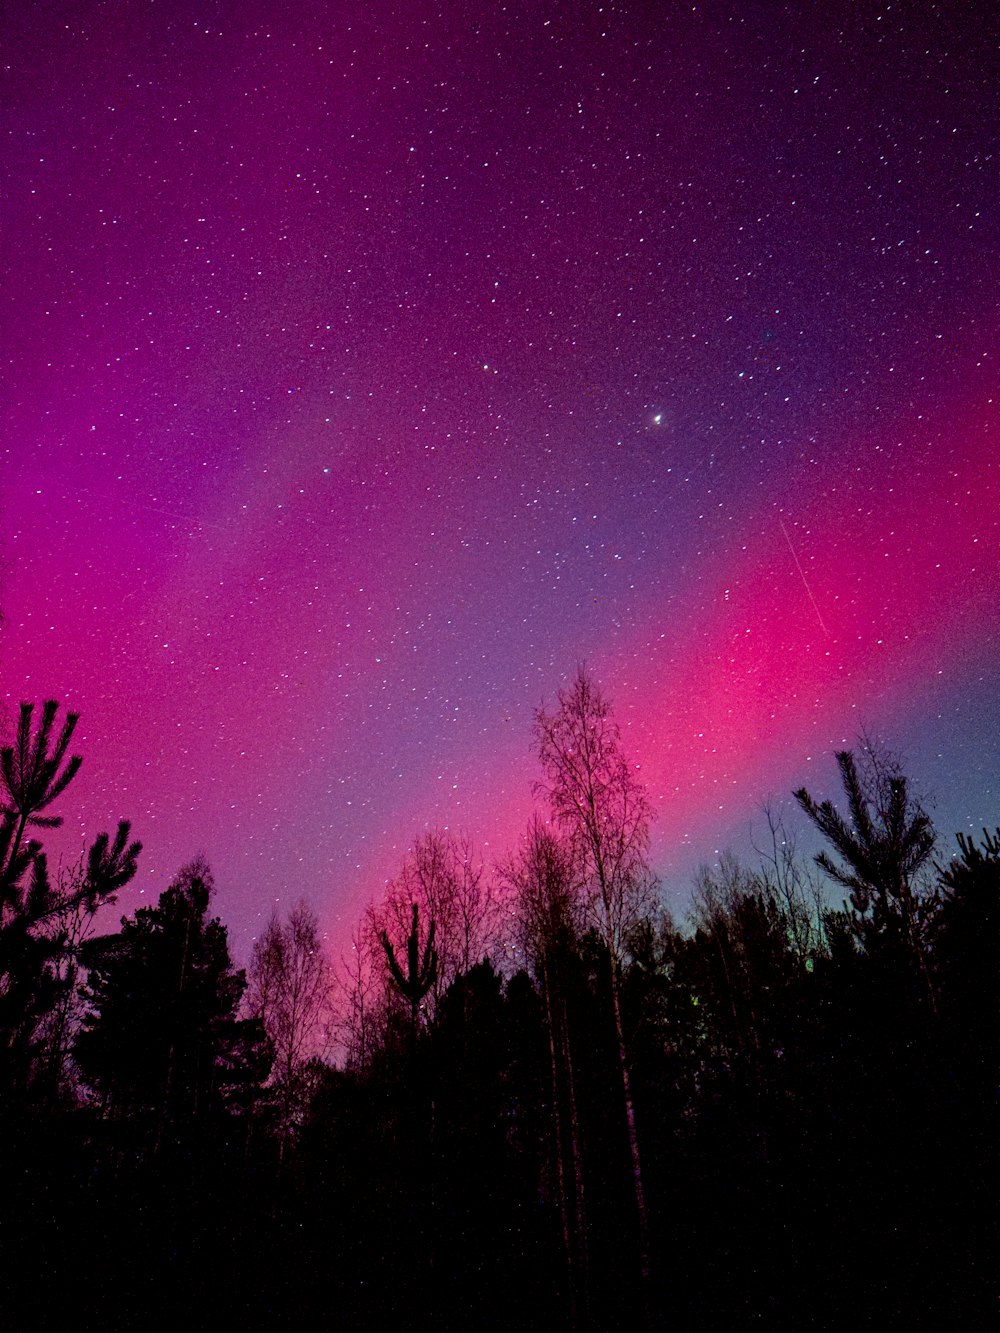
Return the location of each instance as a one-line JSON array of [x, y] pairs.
[[360, 993], [603, 810], [543, 879]]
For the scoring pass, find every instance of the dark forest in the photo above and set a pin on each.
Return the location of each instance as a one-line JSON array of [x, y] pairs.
[[527, 1097]]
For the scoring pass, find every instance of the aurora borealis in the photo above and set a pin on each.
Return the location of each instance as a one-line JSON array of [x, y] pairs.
[[368, 366]]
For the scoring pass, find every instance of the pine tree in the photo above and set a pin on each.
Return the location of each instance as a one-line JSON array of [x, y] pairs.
[[886, 839], [162, 1043], [34, 772], [31, 773], [966, 956], [881, 848], [421, 967]]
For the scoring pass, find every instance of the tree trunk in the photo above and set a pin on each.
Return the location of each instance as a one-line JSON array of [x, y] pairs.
[[633, 1140], [576, 1154], [570, 1182], [559, 1131]]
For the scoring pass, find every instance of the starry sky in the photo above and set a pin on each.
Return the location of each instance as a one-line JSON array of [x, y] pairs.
[[368, 366]]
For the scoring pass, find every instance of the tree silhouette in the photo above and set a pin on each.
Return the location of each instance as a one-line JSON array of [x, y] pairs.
[[605, 814], [966, 955], [31, 774], [361, 994], [34, 772], [161, 1041], [969, 911], [882, 845], [421, 969], [444, 876], [290, 991], [542, 877]]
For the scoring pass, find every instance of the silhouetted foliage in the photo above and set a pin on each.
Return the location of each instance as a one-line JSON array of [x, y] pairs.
[[31, 770], [812, 1084], [290, 991], [967, 926], [604, 812], [421, 966], [443, 875], [882, 845], [966, 959], [34, 912], [543, 880], [162, 1044]]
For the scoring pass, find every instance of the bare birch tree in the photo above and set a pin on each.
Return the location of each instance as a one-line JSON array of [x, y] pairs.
[[444, 877], [291, 991], [543, 879], [601, 806], [360, 1015]]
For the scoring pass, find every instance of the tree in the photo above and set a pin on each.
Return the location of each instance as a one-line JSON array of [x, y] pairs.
[[605, 814], [31, 774], [966, 955], [361, 994], [799, 889], [291, 992], [543, 878], [746, 940], [967, 925], [882, 845], [35, 914], [442, 875], [445, 877], [161, 1042], [421, 966], [754, 995]]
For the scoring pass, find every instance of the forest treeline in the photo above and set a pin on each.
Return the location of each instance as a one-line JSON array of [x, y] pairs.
[[526, 1097]]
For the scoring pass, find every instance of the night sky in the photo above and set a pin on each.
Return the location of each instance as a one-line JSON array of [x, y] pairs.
[[368, 366]]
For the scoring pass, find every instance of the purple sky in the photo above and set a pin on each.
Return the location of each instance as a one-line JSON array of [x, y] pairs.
[[368, 366]]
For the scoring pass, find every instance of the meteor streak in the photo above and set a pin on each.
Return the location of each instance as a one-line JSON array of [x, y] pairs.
[[802, 575]]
